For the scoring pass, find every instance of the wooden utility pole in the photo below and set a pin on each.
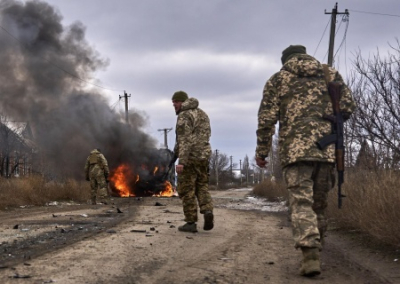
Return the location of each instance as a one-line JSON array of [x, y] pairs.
[[333, 31], [126, 105], [240, 165], [216, 167], [165, 130], [231, 169]]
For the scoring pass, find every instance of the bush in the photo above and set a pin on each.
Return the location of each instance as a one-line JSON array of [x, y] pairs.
[[36, 190]]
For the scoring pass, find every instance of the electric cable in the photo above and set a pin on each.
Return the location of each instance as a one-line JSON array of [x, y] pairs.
[[322, 36], [374, 13]]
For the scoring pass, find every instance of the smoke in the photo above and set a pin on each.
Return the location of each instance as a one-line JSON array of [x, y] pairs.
[[43, 73]]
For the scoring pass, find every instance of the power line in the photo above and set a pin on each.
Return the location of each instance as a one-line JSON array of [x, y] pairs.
[[115, 104], [51, 63], [322, 37], [345, 19], [333, 14], [373, 13]]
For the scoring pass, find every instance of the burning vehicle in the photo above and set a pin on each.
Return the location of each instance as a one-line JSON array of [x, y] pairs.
[[156, 178]]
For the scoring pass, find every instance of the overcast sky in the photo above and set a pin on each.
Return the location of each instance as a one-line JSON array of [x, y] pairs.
[[218, 51]]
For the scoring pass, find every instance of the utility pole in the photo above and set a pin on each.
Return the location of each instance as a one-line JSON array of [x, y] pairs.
[[247, 173], [126, 105], [240, 165], [231, 169], [166, 130], [216, 167], [333, 31]]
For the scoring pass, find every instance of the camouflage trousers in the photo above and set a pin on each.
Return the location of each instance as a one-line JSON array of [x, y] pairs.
[[98, 184], [308, 184], [193, 189]]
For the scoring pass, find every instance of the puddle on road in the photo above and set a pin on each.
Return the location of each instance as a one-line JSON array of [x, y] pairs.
[[251, 203]]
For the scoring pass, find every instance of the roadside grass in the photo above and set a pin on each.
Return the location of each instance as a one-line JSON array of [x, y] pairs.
[[271, 190], [371, 205], [36, 190]]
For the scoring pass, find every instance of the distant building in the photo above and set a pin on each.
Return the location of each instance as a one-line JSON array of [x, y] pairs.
[[236, 173], [18, 152]]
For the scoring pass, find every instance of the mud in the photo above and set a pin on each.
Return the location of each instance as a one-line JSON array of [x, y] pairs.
[[135, 240]]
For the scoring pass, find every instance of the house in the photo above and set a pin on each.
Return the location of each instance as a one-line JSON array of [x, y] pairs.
[[18, 152]]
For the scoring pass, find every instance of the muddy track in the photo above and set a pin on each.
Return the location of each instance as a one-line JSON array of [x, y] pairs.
[[33, 231], [136, 241]]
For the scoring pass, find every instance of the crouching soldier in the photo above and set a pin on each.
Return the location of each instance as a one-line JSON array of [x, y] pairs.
[[96, 171]]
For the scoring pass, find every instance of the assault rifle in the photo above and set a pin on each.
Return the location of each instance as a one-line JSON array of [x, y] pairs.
[[336, 137], [171, 163]]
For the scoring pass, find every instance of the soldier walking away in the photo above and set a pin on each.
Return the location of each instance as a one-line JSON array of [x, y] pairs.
[[96, 171], [297, 96], [193, 149]]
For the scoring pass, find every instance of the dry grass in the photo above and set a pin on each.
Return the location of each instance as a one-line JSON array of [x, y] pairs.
[[36, 190], [371, 205], [271, 190]]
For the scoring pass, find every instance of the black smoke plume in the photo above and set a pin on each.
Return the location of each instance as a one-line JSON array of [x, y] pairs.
[[44, 71]]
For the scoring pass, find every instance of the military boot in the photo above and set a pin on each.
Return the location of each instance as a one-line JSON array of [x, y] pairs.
[[310, 266], [188, 227], [208, 220]]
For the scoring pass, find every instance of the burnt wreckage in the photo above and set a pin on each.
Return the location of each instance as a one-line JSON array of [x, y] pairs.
[[157, 175]]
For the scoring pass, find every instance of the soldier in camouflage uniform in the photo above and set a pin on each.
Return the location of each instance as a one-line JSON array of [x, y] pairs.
[[193, 149], [96, 171], [297, 97]]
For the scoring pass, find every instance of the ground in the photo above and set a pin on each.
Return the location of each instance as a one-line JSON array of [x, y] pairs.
[[136, 240]]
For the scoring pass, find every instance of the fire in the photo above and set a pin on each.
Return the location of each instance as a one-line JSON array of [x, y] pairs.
[[168, 190], [125, 182], [120, 180]]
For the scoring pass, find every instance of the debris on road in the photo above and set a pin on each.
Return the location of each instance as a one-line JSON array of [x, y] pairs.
[[138, 231]]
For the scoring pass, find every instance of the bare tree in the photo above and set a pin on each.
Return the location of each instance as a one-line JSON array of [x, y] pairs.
[[246, 169], [220, 164], [376, 89]]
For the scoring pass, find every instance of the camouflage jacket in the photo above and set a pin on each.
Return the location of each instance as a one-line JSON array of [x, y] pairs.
[[96, 158], [193, 133], [297, 96]]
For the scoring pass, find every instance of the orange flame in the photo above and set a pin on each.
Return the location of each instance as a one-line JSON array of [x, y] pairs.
[[120, 181], [124, 182], [168, 190]]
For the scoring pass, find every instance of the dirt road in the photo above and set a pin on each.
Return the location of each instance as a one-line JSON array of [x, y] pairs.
[[137, 241]]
